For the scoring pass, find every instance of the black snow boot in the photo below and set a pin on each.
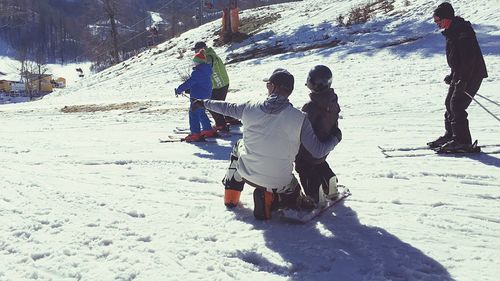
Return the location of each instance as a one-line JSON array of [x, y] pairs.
[[264, 204], [454, 146], [439, 141]]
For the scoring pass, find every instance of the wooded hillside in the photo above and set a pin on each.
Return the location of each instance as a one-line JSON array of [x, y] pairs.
[[62, 31]]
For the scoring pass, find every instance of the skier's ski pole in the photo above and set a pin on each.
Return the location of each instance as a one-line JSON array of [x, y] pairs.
[[186, 96], [493, 102], [182, 94], [494, 116]]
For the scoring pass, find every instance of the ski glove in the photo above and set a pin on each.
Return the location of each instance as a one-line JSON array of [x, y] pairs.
[[447, 79], [195, 104]]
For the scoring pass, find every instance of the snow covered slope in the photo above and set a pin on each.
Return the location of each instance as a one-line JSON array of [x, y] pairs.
[[88, 193]]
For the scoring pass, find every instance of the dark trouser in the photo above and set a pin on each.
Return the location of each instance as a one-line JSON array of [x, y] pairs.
[[455, 118], [219, 94], [313, 176]]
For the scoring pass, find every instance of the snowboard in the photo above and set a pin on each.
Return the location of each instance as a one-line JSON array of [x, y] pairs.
[[303, 216]]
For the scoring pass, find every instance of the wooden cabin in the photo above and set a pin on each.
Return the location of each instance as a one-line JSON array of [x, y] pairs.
[[9, 83], [40, 83], [5, 86], [17, 87]]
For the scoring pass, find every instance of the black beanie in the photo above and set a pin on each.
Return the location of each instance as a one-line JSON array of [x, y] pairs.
[[444, 11]]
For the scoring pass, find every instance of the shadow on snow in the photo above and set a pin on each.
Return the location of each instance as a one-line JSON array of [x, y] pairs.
[[482, 157], [216, 151], [339, 247]]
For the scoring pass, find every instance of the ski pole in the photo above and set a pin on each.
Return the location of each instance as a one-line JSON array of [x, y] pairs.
[[494, 116], [186, 96], [182, 94], [493, 102]]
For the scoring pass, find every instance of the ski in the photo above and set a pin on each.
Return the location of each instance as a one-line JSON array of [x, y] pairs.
[[419, 151], [302, 217], [172, 140], [182, 129], [179, 139], [222, 135], [414, 148], [235, 131], [391, 149], [175, 137], [457, 154]]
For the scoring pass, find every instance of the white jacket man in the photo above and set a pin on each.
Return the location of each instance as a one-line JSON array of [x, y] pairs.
[[272, 134]]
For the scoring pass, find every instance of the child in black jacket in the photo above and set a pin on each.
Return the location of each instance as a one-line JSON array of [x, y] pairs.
[[316, 176]]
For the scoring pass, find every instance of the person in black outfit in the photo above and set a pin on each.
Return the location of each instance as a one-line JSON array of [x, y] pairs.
[[316, 176], [467, 72]]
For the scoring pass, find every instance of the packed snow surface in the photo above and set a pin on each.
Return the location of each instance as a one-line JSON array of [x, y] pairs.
[[88, 193]]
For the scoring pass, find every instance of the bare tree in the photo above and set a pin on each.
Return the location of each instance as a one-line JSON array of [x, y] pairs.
[[67, 30]]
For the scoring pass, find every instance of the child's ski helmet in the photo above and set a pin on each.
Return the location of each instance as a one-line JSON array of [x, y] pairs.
[[319, 78]]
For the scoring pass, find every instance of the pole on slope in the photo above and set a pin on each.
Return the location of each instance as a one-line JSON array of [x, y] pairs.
[[494, 116], [492, 101]]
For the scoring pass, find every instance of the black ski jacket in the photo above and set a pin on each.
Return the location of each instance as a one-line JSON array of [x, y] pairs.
[[323, 113], [463, 52]]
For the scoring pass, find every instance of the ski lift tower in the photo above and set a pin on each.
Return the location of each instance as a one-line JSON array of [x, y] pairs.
[[230, 17]]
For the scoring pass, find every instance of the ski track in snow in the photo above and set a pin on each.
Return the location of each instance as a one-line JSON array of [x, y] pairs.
[[95, 196]]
